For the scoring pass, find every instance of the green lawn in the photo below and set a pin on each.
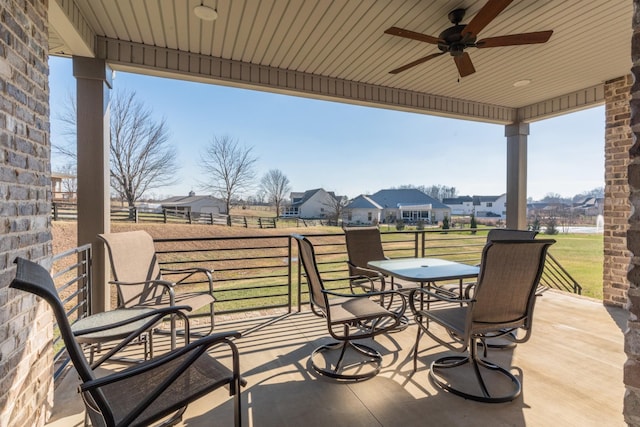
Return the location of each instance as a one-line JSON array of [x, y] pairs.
[[582, 256]]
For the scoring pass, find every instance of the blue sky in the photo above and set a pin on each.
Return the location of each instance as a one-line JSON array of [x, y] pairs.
[[354, 150]]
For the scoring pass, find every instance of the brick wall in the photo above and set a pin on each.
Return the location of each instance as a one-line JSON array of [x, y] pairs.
[[632, 335], [618, 140], [25, 332]]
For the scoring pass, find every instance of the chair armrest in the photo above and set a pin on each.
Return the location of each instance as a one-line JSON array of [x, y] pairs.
[[158, 282], [365, 295], [200, 345], [369, 272], [188, 272]]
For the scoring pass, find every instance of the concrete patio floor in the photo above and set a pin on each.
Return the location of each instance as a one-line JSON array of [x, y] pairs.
[[571, 372]]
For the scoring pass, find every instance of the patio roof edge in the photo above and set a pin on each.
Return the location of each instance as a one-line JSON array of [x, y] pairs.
[[172, 63]]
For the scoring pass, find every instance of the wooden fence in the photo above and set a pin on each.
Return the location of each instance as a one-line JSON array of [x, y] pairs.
[[69, 212]]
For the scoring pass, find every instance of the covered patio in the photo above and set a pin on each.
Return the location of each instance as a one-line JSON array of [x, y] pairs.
[[571, 372], [572, 369]]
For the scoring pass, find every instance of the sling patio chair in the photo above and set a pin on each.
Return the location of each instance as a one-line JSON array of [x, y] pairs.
[[510, 234], [349, 318], [140, 281], [502, 306], [151, 390], [364, 244]]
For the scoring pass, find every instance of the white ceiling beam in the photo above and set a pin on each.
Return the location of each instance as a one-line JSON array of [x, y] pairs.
[[67, 21]]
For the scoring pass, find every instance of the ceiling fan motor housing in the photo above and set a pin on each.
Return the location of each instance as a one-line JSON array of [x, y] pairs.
[[453, 41]]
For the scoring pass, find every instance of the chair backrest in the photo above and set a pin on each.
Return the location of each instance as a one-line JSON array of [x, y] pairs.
[[308, 257], [363, 245], [133, 259], [509, 275], [510, 234], [35, 279]]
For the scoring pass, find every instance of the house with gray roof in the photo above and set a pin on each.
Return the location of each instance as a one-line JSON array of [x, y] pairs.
[[409, 204], [312, 204], [194, 204]]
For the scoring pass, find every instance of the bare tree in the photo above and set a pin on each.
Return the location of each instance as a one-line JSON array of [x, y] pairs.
[[275, 185], [230, 168], [141, 157], [336, 206], [438, 192], [70, 182]]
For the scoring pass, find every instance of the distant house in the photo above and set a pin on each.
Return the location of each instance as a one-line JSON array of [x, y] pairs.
[[589, 205], [480, 206], [194, 204], [312, 204], [409, 204], [63, 187], [462, 205], [363, 210], [490, 206]]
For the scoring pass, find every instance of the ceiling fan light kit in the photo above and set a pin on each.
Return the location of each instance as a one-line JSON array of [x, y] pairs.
[[454, 40]]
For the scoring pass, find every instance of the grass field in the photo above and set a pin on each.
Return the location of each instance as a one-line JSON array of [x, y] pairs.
[[580, 254], [583, 257]]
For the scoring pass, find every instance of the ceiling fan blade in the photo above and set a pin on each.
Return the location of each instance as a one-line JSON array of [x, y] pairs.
[[395, 31], [515, 39], [416, 62], [464, 64], [484, 16]]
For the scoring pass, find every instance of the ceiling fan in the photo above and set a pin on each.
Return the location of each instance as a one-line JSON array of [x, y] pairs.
[[454, 40]]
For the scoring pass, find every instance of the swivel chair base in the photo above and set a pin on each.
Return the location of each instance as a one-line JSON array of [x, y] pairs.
[[365, 368], [452, 362]]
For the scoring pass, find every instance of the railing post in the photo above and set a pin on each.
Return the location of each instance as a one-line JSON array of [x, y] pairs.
[[289, 276]]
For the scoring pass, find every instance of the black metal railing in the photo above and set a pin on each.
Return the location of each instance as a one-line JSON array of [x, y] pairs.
[[253, 273], [71, 271]]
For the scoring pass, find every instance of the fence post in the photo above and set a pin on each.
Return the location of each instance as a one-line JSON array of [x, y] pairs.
[[55, 211], [135, 214], [259, 222], [164, 213], [211, 218], [189, 216]]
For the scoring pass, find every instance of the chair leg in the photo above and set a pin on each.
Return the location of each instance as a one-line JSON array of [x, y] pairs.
[[415, 349], [478, 364], [372, 358]]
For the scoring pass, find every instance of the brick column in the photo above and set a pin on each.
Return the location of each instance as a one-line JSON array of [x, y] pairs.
[[617, 208], [26, 356], [632, 335]]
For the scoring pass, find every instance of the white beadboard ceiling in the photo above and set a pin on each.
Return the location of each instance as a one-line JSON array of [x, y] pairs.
[[344, 42]]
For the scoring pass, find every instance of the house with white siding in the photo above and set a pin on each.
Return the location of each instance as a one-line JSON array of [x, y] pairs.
[[481, 206], [312, 204], [387, 206]]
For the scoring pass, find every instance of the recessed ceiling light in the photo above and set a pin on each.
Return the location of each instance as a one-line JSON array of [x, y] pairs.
[[521, 83], [205, 13]]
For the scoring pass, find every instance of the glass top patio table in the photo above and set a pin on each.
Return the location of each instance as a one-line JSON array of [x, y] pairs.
[[424, 269]]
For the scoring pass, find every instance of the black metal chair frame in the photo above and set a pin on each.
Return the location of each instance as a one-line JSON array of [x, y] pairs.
[[379, 320], [467, 333], [101, 395]]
